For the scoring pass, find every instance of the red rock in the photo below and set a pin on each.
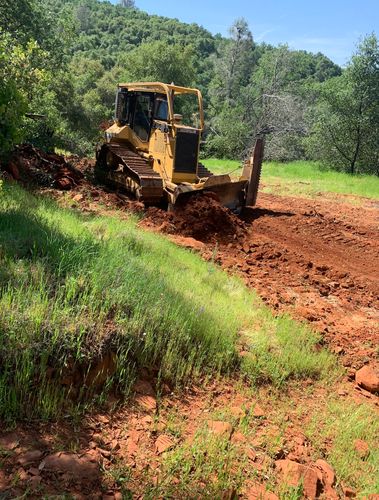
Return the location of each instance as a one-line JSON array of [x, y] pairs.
[[9, 441], [115, 445], [220, 428], [367, 378], [105, 453], [237, 412], [33, 471], [147, 402], [63, 183], [34, 482], [80, 468], [163, 443], [238, 437], [258, 412], [22, 475], [361, 447], [29, 457], [101, 371], [348, 492], [259, 492], [251, 454], [3, 481], [295, 474], [144, 387], [328, 474]]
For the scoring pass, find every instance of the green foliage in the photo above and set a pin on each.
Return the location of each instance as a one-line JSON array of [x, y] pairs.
[[158, 62], [78, 50], [20, 76], [345, 127]]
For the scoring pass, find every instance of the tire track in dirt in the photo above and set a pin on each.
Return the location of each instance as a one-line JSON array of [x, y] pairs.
[[320, 261]]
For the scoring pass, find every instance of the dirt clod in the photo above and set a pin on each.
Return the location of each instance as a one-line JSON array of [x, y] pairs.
[[367, 378]]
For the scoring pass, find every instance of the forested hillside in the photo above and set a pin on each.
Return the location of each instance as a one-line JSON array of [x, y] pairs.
[[63, 58]]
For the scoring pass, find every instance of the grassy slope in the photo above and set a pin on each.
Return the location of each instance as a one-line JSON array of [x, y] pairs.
[[304, 178], [75, 287]]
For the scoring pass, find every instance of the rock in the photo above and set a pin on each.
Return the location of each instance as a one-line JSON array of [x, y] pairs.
[[348, 492], [33, 471], [34, 482], [328, 474], [250, 453], [105, 453], [163, 443], [29, 457], [295, 474], [362, 448], [220, 428], [238, 437], [144, 387], [259, 492], [147, 402], [258, 412], [367, 378], [63, 183], [237, 412], [9, 441], [22, 475], [69, 463], [115, 445]]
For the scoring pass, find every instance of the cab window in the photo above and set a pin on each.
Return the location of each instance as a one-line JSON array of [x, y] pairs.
[[161, 109], [141, 124]]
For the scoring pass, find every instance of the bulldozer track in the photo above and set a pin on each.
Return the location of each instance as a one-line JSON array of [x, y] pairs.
[[203, 172], [134, 173]]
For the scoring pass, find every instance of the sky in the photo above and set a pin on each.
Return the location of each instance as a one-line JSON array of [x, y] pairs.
[[332, 27]]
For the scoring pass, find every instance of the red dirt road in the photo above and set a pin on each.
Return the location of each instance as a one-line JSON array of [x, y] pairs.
[[318, 260]]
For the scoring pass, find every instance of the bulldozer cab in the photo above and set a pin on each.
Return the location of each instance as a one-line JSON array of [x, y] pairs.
[[163, 121]]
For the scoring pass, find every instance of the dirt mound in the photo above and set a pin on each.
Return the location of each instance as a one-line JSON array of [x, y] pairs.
[[33, 166], [201, 217]]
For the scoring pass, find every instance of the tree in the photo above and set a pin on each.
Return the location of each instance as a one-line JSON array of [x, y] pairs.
[[128, 4], [158, 61], [345, 121]]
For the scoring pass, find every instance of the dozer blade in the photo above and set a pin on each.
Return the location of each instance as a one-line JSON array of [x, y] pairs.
[[230, 194]]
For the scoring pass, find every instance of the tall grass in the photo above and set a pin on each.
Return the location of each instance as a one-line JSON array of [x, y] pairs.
[[304, 178], [75, 288]]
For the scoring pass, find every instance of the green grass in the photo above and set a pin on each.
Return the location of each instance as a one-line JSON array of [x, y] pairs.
[[207, 467], [303, 178], [75, 287], [340, 423]]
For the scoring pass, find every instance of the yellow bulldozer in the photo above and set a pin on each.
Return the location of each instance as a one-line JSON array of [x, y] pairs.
[[152, 149]]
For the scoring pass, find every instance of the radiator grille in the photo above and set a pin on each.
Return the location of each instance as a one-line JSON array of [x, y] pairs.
[[187, 145]]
